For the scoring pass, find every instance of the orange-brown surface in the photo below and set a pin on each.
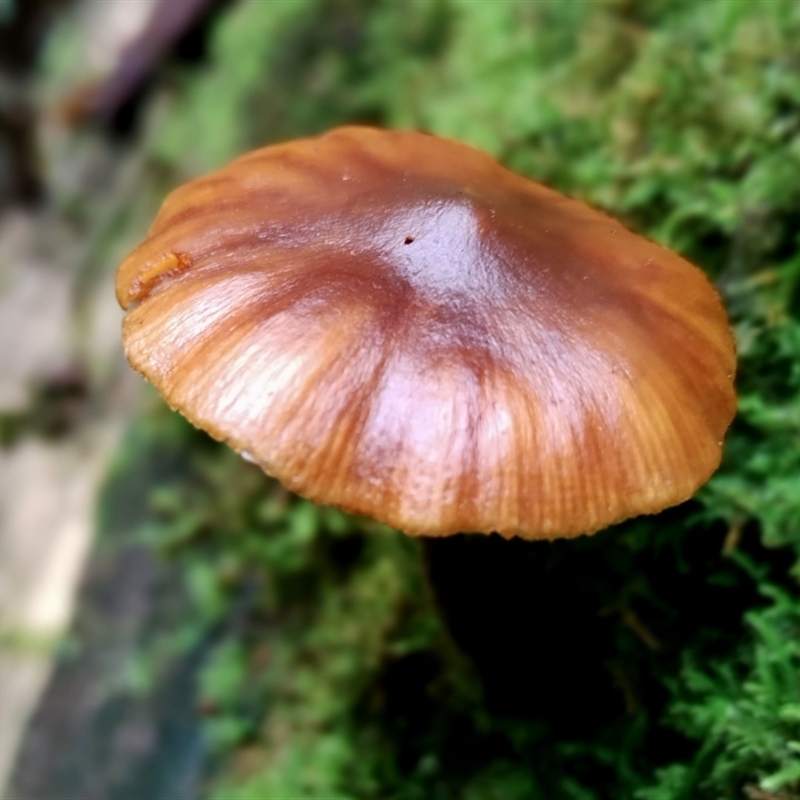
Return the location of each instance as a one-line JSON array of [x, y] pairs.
[[395, 324]]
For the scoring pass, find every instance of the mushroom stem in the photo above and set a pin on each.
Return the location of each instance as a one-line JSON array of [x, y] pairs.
[[528, 620]]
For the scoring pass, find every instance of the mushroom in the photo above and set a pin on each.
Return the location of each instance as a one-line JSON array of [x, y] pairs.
[[393, 323]]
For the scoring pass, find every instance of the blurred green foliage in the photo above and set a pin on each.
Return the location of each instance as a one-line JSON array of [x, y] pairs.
[[350, 677]]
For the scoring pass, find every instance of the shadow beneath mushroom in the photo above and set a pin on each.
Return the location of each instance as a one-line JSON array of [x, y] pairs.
[[584, 633], [534, 630]]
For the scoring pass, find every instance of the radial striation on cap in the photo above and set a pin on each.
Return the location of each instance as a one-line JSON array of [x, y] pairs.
[[395, 324]]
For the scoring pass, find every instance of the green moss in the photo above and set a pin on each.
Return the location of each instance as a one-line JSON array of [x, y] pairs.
[[671, 669]]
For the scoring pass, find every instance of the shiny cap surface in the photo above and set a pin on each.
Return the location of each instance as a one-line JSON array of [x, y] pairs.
[[395, 324]]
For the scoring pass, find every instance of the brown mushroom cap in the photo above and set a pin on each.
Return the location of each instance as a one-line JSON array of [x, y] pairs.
[[395, 324]]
